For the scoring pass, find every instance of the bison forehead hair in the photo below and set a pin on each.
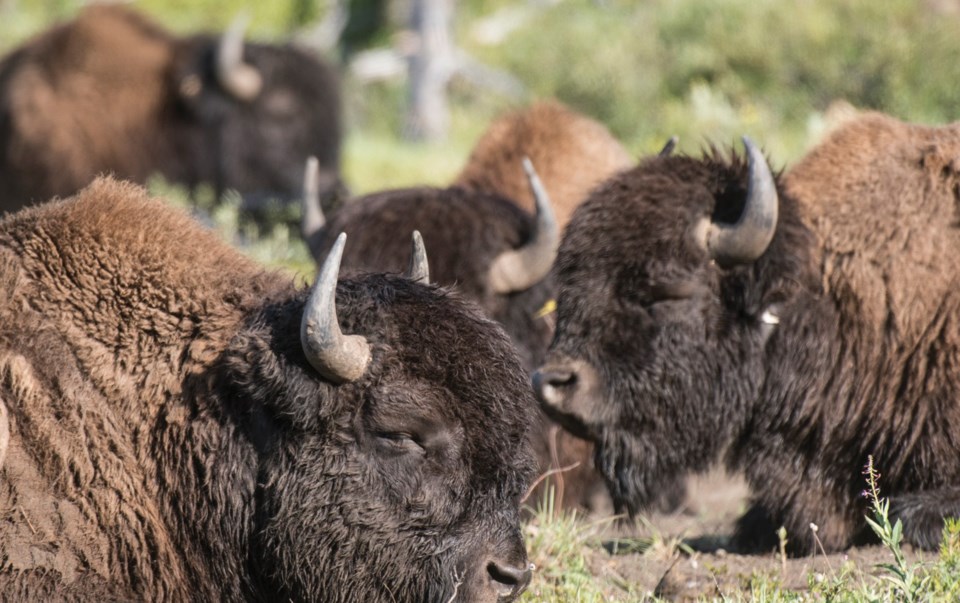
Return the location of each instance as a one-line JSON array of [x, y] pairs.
[[168, 432]]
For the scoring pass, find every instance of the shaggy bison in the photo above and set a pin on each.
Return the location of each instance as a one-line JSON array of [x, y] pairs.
[[473, 238], [112, 92], [495, 253], [572, 152], [184, 425], [797, 327]]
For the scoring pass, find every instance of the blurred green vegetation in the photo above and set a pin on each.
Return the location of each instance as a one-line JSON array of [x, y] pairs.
[[702, 69], [705, 70]]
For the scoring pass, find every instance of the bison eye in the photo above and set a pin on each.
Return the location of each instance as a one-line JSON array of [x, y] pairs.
[[397, 443]]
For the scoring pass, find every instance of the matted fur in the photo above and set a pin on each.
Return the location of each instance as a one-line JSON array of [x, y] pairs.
[[571, 152], [111, 92], [840, 342], [170, 441]]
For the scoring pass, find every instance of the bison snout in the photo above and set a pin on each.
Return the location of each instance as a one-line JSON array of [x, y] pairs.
[[509, 579], [568, 391], [553, 386]]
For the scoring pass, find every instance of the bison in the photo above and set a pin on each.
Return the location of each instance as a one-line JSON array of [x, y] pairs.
[[185, 425], [474, 237], [796, 325], [111, 92], [571, 151]]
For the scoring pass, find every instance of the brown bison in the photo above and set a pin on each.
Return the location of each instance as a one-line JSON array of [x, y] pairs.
[[797, 327], [475, 240], [572, 152], [111, 92], [184, 425]]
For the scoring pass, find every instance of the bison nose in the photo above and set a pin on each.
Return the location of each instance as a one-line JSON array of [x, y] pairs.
[[507, 579], [552, 385]]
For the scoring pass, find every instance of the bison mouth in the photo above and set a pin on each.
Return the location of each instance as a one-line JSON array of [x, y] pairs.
[[569, 422]]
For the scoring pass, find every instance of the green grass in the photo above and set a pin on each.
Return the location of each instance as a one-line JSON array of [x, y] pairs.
[[561, 544]]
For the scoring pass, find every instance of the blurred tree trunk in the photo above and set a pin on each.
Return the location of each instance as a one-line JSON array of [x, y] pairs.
[[431, 65]]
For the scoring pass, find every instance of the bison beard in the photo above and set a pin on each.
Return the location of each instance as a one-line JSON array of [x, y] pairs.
[[170, 440], [837, 342]]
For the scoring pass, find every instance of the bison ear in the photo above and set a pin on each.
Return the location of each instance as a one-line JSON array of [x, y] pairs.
[[337, 357], [418, 269], [242, 81], [520, 269], [745, 241], [312, 219]]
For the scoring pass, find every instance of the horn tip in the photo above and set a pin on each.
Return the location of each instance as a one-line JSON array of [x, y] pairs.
[[528, 166]]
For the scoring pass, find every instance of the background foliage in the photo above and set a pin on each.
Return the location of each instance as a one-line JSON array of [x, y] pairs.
[[705, 70]]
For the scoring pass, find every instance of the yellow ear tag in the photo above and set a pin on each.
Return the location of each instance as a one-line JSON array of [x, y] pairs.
[[548, 308]]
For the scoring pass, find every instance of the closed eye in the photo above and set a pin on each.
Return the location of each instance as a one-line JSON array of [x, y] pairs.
[[398, 442]]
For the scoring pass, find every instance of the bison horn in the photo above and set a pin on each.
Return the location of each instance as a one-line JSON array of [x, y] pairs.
[[745, 241], [312, 219], [337, 357], [418, 269], [236, 77], [520, 269], [667, 149]]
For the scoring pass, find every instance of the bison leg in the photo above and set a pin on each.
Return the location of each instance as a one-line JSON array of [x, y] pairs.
[[756, 531], [923, 514], [813, 523]]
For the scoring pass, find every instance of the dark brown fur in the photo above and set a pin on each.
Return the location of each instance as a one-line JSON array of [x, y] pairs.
[[170, 441], [463, 232], [111, 92], [675, 362], [572, 154]]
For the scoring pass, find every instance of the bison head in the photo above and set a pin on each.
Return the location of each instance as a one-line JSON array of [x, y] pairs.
[[252, 113], [391, 424], [493, 252], [669, 279]]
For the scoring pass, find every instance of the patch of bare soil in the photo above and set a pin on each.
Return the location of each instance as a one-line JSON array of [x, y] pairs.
[[644, 558]]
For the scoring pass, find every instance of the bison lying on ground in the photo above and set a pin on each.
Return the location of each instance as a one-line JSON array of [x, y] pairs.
[[573, 153], [472, 237], [112, 92], [185, 425], [705, 307]]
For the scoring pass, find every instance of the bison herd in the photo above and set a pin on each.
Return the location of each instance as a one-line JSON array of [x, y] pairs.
[[178, 423]]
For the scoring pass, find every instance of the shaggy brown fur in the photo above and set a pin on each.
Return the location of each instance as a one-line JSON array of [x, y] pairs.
[[572, 154], [170, 441], [112, 92], [463, 232], [673, 358]]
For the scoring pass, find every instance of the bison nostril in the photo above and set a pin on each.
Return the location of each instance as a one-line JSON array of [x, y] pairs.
[[547, 383], [509, 580]]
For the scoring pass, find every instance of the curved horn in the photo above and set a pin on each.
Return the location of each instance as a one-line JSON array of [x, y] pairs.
[[418, 269], [236, 77], [520, 269], [667, 149], [337, 357], [745, 241], [312, 219]]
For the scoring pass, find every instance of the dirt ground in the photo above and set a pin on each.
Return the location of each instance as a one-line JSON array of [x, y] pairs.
[[714, 502]]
